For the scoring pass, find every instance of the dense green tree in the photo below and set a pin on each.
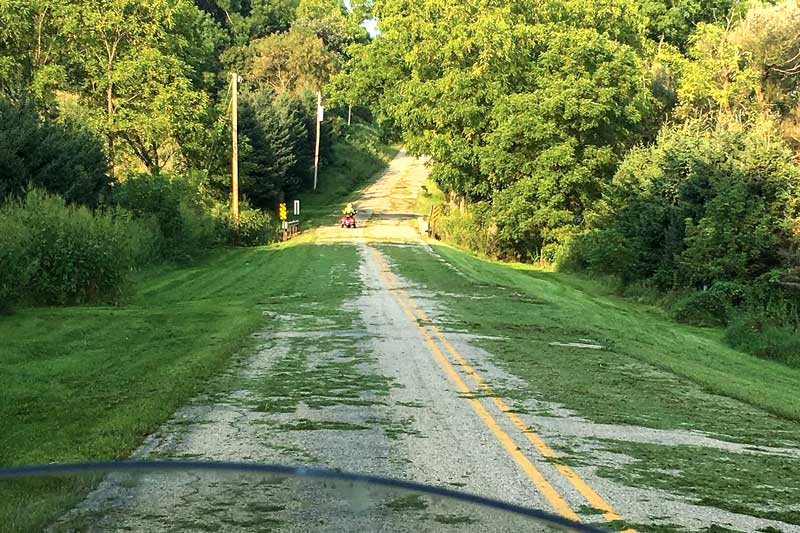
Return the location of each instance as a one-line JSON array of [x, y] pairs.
[[250, 19], [33, 38], [556, 143], [276, 147], [674, 21], [528, 104], [198, 40], [770, 37], [708, 202], [268, 152], [296, 121], [746, 70], [295, 61], [621, 20], [717, 78], [330, 21], [137, 61], [63, 159]]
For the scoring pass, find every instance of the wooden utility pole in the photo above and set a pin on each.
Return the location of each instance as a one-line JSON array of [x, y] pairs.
[[316, 149], [235, 154], [349, 113]]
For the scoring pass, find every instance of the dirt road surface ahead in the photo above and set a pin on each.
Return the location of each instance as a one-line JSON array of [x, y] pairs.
[[386, 208], [389, 391]]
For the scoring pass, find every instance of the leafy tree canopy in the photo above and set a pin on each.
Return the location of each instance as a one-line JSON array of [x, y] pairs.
[[523, 100], [250, 19], [674, 21]]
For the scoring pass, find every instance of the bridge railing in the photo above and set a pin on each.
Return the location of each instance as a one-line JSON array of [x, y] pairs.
[[290, 229]]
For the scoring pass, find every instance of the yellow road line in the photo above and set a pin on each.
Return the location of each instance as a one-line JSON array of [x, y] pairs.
[[591, 496], [580, 485], [550, 493]]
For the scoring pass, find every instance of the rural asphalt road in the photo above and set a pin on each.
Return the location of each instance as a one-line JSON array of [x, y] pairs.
[[405, 399]]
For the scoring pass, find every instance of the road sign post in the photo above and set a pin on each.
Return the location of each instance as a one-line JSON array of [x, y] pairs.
[[320, 116], [436, 213], [283, 215], [296, 209], [235, 147]]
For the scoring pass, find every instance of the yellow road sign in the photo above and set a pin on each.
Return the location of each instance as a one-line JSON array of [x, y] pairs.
[[282, 211], [436, 213]]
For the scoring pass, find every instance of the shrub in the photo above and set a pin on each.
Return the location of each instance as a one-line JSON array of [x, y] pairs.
[[466, 228], [75, 256], [254, 227], [764, 338], [197, 233], [173, 203], [767, 297], [712, 307], [598, 251], [707, 202], [150, 195], [141, 238]]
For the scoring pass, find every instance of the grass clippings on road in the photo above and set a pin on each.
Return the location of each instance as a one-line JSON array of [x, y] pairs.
[[652, 373], [765, 486], [517, 314], [339, 380], [322, 365]]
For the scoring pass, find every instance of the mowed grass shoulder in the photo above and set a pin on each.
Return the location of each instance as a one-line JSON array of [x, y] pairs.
[[527, 310], [89, 383]]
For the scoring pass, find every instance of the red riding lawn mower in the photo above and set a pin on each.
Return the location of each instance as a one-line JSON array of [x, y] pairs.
[[348, 221]]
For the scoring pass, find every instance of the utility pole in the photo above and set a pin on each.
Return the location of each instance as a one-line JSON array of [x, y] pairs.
[[316, 150], [349, 113], [235, 154]]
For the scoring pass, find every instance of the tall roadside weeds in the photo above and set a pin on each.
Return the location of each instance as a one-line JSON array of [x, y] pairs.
[[186, 227], [55, 254]]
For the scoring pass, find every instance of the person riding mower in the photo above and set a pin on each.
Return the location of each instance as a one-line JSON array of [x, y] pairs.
[[348, 219]]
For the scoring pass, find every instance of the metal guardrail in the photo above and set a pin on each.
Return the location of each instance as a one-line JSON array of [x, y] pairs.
[[290, 229]]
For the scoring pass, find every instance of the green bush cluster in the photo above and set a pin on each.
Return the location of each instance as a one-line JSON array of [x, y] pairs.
[[59, 157], [712, 307], [704, 204], [55, 254], [187, 228], [710, 210], [467, 228], [15, 267], [761, 336], [254, 227]]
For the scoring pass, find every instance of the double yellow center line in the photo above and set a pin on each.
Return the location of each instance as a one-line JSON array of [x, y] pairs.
[[429, 331]]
